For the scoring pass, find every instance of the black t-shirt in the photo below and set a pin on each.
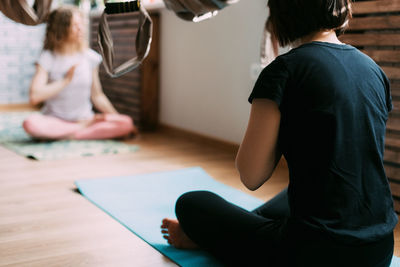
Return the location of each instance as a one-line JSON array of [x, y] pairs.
[[334, 104]]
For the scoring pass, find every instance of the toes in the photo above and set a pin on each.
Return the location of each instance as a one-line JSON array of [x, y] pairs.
[[169, 240], [165, 223]]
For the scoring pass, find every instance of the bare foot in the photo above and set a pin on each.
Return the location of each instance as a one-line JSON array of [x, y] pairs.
[[135, 130], [175, 236]]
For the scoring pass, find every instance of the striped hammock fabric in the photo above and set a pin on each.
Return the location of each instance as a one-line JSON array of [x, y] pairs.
[[20, 11]]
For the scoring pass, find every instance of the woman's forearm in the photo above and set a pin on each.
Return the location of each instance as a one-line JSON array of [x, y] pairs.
[[41, 93], [99, 99], [41, 89], [101, 102]]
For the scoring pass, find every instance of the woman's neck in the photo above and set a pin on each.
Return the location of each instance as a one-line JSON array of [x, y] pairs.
[[69, 48], [321, 36]]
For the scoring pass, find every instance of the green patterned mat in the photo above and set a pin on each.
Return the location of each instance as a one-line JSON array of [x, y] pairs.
[[13, 137]]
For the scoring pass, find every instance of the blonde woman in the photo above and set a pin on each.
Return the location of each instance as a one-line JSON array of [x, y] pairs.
[[67, 83]]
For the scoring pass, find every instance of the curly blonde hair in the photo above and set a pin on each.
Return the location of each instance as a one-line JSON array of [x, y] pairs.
[[58, 26]]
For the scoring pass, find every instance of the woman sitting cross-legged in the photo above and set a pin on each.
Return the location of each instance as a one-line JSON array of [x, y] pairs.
[[323, 106], [67, 82]]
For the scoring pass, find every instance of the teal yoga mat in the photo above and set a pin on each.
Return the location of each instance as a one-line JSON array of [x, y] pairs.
[[140, 202]]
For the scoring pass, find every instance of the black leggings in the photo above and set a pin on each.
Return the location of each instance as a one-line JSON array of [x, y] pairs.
[[238, 237]]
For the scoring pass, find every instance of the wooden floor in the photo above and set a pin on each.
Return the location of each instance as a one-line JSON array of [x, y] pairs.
[[44, 222]]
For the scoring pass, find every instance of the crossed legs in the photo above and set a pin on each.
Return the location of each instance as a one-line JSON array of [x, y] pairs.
[[102, 126], [241, 238], [233, 235]]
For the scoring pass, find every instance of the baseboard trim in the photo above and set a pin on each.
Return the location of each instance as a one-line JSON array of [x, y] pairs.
[[200, 138]]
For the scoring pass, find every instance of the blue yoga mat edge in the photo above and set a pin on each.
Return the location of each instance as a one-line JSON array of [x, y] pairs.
[[175, 171], [119, 221], [97, 191]]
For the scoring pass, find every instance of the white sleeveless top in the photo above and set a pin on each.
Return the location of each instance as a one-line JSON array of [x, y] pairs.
[[73, 103]]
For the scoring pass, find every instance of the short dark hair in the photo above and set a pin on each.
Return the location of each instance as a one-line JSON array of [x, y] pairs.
[[293, 19]]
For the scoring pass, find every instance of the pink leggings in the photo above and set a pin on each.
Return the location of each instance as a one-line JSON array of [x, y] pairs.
[[102, 126]]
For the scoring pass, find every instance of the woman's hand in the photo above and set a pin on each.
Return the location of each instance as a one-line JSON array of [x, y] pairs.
[[41, 89], [274, 40], [70, 74]]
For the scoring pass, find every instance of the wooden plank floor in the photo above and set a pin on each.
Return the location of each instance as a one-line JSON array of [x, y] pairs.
[[45, 223]]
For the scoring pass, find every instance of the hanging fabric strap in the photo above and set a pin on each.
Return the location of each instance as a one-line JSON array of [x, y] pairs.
[[197, 10], [20, 11], [269, 46], [142, 43]]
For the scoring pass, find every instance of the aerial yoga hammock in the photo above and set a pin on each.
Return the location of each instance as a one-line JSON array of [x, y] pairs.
[[142, 43], [190, 10], [20, 11]]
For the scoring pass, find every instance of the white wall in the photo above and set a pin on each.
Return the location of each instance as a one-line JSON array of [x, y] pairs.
[[205, 70]]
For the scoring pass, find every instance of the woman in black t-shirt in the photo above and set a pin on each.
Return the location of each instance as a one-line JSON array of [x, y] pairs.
[[324, 107]]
